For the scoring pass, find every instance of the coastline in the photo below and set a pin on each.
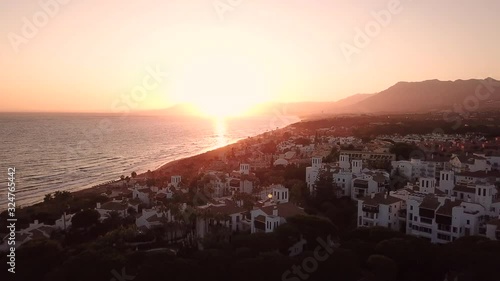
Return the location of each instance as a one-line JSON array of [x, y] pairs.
[[172, 166]]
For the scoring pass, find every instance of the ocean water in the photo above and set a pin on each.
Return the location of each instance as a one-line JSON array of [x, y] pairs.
[[71, 152]]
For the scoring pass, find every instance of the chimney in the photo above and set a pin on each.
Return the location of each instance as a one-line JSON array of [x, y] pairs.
[[36, 222], [98, 205], [275, 211], [372, 195]]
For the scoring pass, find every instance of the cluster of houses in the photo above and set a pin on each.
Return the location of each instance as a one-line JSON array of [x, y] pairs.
[[221, 207], [349, 177], [445, 196], [442, 200]]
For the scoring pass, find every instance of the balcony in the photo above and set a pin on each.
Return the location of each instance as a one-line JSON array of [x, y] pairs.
[[426, 220], [370, 209], [444, 228]]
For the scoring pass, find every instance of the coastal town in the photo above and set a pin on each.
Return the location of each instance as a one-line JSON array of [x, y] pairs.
[[436, 187]]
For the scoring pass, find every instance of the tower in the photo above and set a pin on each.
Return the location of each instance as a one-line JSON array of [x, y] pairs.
[[344, 161], [446, 181], [357, 166]]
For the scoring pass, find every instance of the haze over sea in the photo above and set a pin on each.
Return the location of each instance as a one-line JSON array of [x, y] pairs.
[[72, 152]]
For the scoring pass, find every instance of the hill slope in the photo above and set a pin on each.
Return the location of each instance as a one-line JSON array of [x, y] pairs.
[[432, 95]]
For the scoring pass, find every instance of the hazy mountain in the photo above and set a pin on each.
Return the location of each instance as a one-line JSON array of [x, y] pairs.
[[411, 97], [352, 100], [432, 95]]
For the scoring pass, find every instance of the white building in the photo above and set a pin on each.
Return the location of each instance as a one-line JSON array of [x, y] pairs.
[[312, 172], [441, 219], [268, 215], [118, 206], [369, 183], [225, 213], [380, 209]]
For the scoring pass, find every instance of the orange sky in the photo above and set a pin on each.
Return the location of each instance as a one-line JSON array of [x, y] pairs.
[[92, 55]]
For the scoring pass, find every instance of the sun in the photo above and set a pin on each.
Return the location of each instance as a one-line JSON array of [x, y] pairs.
[[223, 85]]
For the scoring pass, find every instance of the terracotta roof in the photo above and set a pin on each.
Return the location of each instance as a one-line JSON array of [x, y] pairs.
[[260, 218], [364, 183], [430, 202], [464, 188], [135, 201], [380, 199], [447, 208], [379, 178], [228, 209], [285, 210], [234, 183], [480, 174], [495, 222]]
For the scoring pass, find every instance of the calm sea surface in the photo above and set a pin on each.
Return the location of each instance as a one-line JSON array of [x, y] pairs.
[[75, 151]]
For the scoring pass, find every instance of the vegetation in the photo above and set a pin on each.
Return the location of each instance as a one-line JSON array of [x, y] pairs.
[[371, 253]]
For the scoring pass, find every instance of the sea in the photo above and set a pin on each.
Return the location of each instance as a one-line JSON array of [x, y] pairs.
[[69, 152]]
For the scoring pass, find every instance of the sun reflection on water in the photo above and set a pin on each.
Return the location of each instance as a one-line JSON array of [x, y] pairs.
[[220, 131]]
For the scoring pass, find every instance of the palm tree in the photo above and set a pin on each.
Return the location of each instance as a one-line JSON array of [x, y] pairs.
[[47, 197]]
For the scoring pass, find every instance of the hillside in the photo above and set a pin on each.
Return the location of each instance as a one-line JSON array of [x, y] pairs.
[[430, 95]]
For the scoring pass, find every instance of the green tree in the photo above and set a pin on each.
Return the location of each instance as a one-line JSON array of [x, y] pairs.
[[323, 187], [382, 268], [85, 219]]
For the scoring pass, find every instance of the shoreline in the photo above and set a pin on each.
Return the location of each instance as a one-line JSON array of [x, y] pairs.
[[168, 166]]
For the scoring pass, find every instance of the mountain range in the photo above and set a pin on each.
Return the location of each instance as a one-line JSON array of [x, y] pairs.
[[402, 97]]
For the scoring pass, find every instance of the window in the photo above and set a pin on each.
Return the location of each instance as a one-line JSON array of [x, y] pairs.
[[468, 221], [484, 192], [390, 209], [479, 191], [454, 230], [415, 218], [411, 208]]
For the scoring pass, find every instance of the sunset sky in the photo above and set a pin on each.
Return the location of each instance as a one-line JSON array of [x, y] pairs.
[[91, 54]]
